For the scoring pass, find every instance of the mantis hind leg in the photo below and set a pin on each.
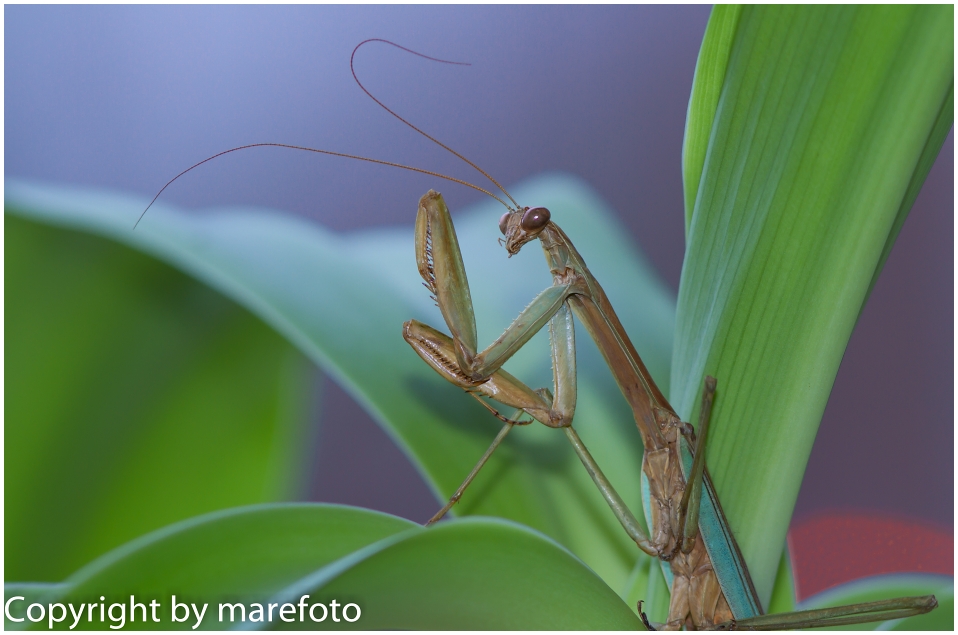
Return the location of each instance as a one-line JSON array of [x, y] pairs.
[[692, 496], [865, 612]]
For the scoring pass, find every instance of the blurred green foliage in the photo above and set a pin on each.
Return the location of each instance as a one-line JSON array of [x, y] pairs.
[[135, 397]]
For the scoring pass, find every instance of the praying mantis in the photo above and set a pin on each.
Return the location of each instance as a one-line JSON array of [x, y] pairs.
[[711, 585]]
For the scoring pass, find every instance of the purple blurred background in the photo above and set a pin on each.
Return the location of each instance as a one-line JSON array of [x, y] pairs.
[[125, 97]]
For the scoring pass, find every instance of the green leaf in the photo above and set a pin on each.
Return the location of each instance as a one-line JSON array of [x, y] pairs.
[[474, 573], [893, 586], [469, 574], [936, 138], [245, 554], [135, 397], [707, 87], [342, 300], [826, 123]]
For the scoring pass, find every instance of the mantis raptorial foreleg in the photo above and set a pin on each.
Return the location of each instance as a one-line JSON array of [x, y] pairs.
[[440, 264], [552, 410]]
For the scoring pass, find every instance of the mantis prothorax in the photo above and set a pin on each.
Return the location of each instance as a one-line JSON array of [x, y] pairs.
[[711, 585]]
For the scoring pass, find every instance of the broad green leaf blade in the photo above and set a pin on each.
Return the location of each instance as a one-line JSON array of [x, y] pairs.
[[707, 87], [826, 120], [936, 138], [886, 587], [135, 397], [467, 574], [342, 300], [239, 555]]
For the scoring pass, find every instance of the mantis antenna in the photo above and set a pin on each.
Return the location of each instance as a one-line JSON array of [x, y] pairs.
[[357, 157], [428, 136]]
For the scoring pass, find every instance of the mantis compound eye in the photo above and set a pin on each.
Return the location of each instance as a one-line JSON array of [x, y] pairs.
[[535, 219], [504, 222]]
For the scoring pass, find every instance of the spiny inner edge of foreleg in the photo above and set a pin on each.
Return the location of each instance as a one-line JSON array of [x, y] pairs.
[[449, 364]]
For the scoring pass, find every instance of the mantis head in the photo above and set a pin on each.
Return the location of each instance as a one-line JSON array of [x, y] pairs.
[[522, 225]]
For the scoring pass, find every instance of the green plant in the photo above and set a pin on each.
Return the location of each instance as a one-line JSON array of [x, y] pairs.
[[809, 134]]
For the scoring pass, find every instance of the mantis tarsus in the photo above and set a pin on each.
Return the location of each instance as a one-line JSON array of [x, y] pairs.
[[711, 585]]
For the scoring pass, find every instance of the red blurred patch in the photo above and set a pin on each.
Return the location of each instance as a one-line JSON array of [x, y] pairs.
[[837, 548]]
